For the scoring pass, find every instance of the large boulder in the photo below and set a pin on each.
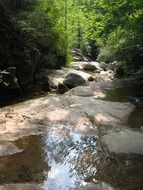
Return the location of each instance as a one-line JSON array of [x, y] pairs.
[[61, 80], [73, 79], [92, 66]]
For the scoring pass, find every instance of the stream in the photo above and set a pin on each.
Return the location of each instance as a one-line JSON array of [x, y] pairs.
[[66, 159]]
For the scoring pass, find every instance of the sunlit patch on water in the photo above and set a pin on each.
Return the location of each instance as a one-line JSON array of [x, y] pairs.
[[67, 160], [65, 154]]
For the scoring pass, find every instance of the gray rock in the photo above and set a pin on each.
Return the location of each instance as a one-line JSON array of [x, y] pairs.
[[124, 141], [21, 187], [81, 91], [73, 79], [23, 119], [94, 186], [92, 66]]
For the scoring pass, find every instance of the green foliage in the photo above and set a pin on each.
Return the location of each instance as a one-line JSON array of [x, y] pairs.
[[42, 19], [107, 54], [124, 29], [116, 27], [139, 73]]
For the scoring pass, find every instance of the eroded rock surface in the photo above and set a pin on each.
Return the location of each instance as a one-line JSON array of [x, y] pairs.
[[124, 141], [21, 187], [91, 186], [38, 115]]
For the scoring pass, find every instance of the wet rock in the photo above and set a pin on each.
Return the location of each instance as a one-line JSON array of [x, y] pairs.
[[124, 141], [21, 187], [7, 148], [93, 186]]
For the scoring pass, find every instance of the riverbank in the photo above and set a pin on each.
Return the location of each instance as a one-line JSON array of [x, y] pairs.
[[80, 132]]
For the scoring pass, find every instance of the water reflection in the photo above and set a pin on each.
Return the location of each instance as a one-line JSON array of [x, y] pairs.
[[126, 91], [136, 118], [65, 154], [68, 160], [24, 167]]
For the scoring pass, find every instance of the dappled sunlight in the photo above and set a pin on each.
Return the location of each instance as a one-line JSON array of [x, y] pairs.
[[38, 115], [63, 69], [99, 94], [104, 118]]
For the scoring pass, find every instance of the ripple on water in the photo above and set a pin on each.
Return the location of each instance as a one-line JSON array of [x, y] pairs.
[[67, 160]]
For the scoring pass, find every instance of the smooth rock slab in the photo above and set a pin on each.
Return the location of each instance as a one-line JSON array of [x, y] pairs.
[[39, 115], [95, 89], [125, 141], [94, 186], [21, 187], [98, 89], [86, 186]]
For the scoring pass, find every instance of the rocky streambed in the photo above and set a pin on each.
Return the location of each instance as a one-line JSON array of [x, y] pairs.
[[75, 141]]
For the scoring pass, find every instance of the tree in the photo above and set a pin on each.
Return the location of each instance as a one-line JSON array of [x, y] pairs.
[[9, 5]]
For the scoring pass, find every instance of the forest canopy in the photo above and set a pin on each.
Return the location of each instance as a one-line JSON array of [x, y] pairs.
[[106, 30]]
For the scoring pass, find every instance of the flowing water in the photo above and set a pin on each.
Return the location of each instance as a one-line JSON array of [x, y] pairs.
[[129, 92], [64, 159], [67, 160]]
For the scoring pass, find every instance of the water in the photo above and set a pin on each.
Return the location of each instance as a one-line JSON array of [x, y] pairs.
[[127, 91], [67, 160], [53, 160]]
